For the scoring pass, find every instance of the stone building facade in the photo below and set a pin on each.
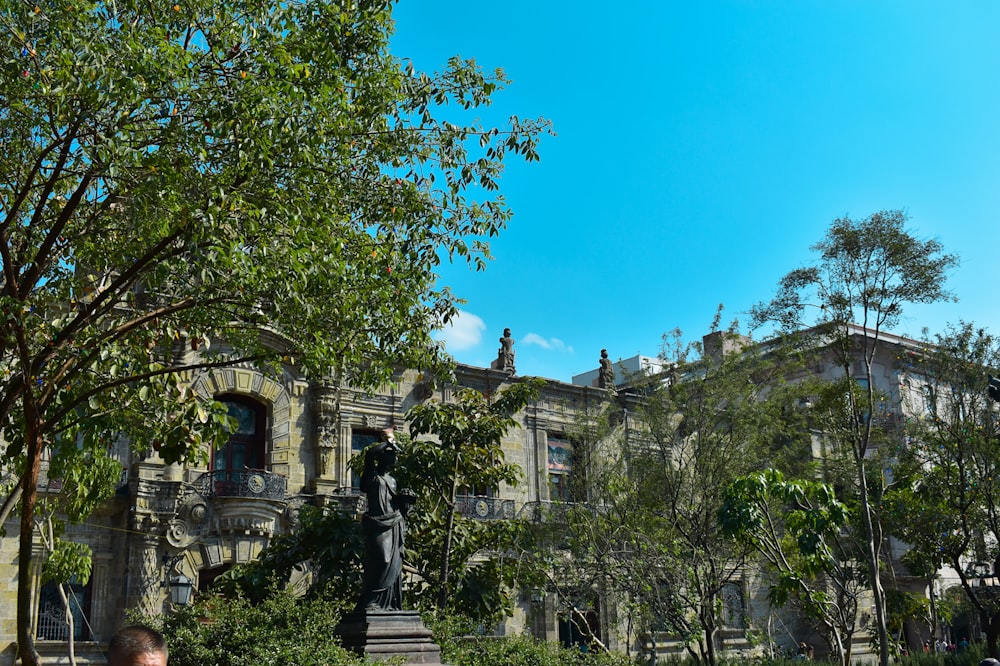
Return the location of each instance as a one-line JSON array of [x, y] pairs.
[[293, 446]]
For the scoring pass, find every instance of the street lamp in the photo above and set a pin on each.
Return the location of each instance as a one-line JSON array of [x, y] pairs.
[[181, 589], [982, 574]]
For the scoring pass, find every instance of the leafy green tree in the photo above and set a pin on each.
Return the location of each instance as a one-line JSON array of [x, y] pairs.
[[867, 271], [458, 559], [945, 502], [725, 415], [581, 550], [797, 528], [444, 549], [80, 479], [263, 173]]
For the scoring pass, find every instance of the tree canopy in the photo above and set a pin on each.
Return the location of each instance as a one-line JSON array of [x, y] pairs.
[[263, 173]]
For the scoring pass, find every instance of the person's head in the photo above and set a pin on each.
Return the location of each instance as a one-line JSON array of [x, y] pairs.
[[137, 645]]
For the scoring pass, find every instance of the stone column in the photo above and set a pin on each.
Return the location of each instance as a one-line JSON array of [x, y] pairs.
[[344, 451], [145, 572], [326, 414]]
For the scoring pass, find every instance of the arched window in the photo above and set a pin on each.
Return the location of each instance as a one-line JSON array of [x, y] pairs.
[[246, 448]]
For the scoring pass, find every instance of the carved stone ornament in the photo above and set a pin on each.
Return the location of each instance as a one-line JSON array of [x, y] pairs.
[[291, 513], [179, 534], [189, 523]]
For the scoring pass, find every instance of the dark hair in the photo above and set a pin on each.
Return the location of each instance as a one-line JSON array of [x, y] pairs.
[[135, 640]]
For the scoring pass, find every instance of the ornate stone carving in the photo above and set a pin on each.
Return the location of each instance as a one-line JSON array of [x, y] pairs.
[[190, 522], [326, 412]]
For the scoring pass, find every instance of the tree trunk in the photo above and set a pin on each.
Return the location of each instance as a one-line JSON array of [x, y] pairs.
[[872, 537], [449, 528], [70, 625], [874, 577], [991, 627], [845, 651], [711, 630], [25, 571]]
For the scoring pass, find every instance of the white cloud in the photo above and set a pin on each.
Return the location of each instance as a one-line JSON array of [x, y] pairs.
[[550, 343], [465, 331]]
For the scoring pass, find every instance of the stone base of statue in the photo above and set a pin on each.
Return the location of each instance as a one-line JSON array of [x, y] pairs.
[[384, 635]]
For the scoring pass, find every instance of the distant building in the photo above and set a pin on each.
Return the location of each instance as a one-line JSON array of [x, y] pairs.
[[627, 370]]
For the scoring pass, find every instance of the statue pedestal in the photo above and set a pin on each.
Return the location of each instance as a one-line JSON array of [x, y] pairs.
[[384, 634]]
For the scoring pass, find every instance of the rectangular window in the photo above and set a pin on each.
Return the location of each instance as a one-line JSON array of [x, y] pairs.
[[930, 403], [361, 440], [733, 606], [560, 466]]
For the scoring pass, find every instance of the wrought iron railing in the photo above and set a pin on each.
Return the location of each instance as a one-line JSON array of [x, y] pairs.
[[480, 507], [52, 624], [241, 483], [477, 507]]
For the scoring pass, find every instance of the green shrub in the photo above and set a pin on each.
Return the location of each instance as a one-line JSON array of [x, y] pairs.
[[523, 651], [459, 648], [281, 630]]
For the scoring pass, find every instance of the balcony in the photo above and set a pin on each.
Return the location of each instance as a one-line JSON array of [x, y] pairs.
[[254, 483], [479, 507]]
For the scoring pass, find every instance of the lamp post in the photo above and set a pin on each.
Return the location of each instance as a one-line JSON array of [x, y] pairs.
[[181, 589], [985, 584]]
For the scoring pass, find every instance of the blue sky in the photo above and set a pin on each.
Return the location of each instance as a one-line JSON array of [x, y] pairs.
[[703, 146]]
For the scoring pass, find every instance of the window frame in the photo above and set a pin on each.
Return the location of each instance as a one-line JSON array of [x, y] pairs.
[[256, 444]]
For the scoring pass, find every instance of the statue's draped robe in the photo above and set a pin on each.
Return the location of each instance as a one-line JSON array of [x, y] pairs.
[[383, 529]]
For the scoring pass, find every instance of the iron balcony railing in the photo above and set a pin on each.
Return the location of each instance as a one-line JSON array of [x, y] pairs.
[[242, 483], [480, 507], [476, 507]]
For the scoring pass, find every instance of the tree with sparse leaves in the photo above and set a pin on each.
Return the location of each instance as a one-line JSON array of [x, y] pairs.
[[946, 502], [263, 173], [868, 271], [649, 473], [725, 415]]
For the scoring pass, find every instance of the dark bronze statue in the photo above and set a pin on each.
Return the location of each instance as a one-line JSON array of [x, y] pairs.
[[384, 526]]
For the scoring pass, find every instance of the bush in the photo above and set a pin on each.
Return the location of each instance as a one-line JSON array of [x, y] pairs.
[[281, 630], [458, 650], [525, 651]]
